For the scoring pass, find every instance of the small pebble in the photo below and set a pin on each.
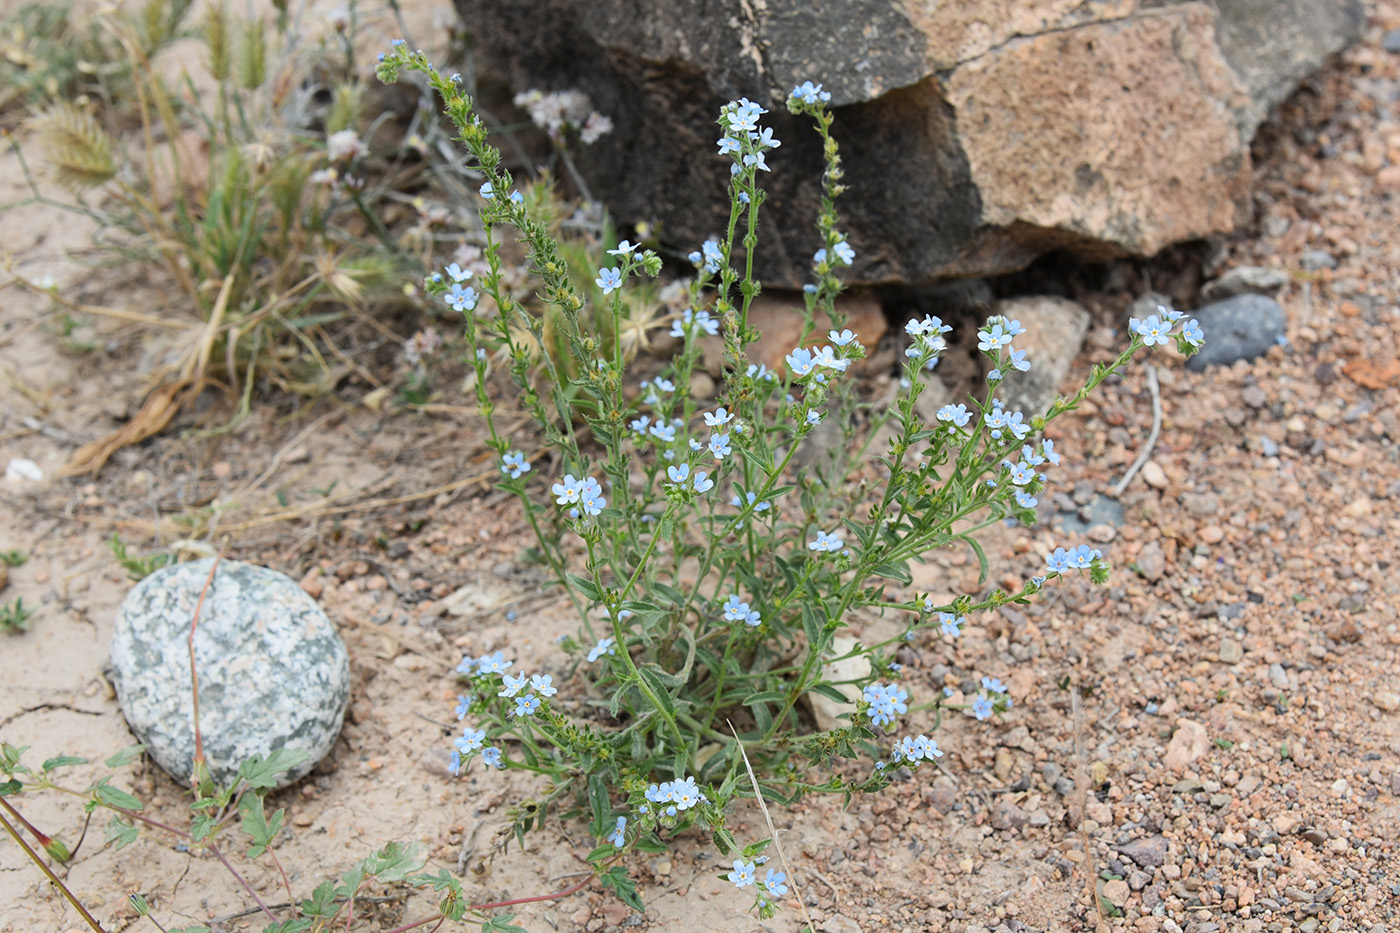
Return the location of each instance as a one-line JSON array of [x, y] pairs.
[[1231, 652]]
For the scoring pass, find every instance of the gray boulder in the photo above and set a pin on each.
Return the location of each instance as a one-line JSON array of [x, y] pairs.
[[273, 672], [1238, 328], [976, 136]]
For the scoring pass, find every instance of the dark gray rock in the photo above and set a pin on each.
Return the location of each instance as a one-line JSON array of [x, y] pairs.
[[1238, 328], [1147, 852], [273, 672], [975, 136], [1391, 42]]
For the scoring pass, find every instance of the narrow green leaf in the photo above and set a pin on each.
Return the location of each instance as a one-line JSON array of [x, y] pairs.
[[584, 586], [125, 757], [63, 761], [830, 692], [116, 798]]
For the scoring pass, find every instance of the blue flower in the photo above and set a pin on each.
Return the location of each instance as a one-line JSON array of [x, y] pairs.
[[1018, 360], [458, 274], [492, 664], [814, 417], [1025, 499], [517, 198], [719, 417], [728, 144], [466, 665], [464, 705], [471, 740], [1191, 330], [684, 793], [951, 624], [640, 424], [757, 371], [618, 837], [1037, 582], [1153, 331], [459, 298], [810, 93], [711, 255], [756, 160], [623, 249], [1030, 457], [800, 362], [844, 252], [742, 875], [719, 446], [750, 497], [567, 492], [1017, 425], [491, 757], [487, 191], [773, 881], [515, 464], [663, 432], [993, 684], [843, 338], [826, 542], [679, 474], [513, 683], [1022, 474], [702, 481], [1084, 556], [603, 647], [609, 279], [765, 139], [982, 708], [526, 705], [956, 414], [1047, 447], [993, 337], [591, 497], [544, 683], [455, 766], [1057, 560]]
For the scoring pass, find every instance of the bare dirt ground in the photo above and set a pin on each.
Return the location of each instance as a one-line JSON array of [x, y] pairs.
[[1236, 765]]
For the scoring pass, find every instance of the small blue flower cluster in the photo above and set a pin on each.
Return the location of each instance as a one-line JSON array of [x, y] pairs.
[[1158, 328], [913, 749], [673, 797], [886, 702], [737, 611], [1081, 557], [993, 698]]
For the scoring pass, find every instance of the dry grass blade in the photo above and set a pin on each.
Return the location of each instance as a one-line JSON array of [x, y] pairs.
[[772, 831], [77, 149], [160, 407]]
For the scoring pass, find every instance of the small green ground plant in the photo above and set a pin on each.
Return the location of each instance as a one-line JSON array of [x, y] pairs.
[[711, 572]]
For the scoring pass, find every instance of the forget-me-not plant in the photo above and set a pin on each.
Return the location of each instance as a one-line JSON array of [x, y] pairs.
[[710, 567]]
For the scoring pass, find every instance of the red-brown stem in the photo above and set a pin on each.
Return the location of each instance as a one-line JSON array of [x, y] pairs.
[[194, 676], [43, 840], [285, 883], [54, 879], [214, 850], [519, 900]]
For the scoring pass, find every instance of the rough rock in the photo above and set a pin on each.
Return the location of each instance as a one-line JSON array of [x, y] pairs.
[[1231, 651], [976, 136], [1007, 816], [825, 709], [1241, 280], [1055, 329], [1188, 743], [273, 672], [1238, 328], [1147, 852]]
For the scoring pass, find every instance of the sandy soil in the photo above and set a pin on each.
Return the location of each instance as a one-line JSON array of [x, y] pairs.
[[1240, 763]]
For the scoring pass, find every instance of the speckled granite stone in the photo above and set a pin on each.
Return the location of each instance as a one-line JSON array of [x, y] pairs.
[[273, 672]]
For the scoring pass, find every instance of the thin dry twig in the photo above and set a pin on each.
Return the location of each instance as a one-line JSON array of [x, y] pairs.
[[1146, 451], [772, 831]]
